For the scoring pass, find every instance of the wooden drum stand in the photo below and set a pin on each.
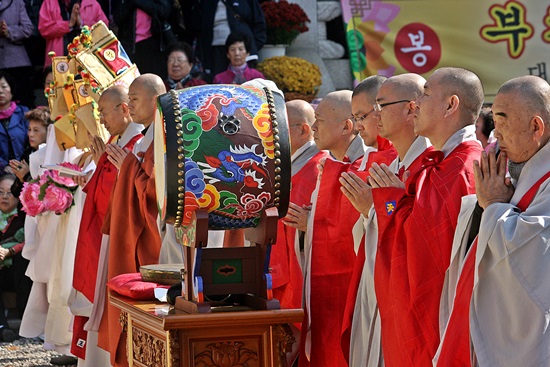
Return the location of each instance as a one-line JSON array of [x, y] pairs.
[[226, 315]]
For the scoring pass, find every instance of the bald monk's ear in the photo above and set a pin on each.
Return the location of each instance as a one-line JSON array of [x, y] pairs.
[[412, 107], [348, 126], [125, 108], [305, 129], [454, 102], [537, 127]]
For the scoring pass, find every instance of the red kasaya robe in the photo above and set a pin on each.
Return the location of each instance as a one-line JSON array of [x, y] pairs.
[[286, 272], [332, 259], [413, 168], [416, 229], [131, 224], [98, 191]]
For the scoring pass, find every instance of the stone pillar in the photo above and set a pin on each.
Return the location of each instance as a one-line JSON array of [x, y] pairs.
[[327, 11], [314, 46], [306, 46], [309, 38]]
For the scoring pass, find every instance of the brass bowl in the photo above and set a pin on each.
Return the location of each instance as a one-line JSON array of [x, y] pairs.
[[167, 274]]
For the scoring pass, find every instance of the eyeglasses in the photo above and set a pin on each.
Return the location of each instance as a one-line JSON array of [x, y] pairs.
[[378, 107], [173, 60], [5, 193], [361, 118], [103, 114]]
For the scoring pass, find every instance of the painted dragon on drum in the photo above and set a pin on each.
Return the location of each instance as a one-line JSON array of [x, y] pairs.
[[239, 164]]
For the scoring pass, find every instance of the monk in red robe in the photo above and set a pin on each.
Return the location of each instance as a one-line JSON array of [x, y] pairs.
[[393, 113], [329, 245], [131, 221], [115, 115], [285, 259], [417, 223], [286, 255]]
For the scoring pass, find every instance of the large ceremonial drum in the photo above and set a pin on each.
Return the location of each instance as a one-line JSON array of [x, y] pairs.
[[224, 149]]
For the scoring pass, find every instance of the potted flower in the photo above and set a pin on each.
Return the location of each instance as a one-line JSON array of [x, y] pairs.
[[296, 77], [284, 22]]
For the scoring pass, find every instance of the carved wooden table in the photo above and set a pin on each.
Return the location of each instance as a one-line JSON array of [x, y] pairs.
[[160, 336]]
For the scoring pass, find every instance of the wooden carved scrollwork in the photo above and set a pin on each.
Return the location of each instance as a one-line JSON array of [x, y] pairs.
[[123, 320], [226, 354], [284, 339], [174, 345], [148, 349]]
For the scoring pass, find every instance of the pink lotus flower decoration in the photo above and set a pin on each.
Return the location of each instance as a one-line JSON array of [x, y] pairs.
[[57, 199], [50, 192], [29, 199]]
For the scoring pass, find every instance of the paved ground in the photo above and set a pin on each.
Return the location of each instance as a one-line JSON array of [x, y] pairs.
[[24, 352]]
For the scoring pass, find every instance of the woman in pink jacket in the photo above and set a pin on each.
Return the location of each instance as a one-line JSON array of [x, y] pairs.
[[60, 21], [237, 46]]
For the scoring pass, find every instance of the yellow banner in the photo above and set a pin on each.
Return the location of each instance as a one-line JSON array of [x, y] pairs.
[[497, 40]]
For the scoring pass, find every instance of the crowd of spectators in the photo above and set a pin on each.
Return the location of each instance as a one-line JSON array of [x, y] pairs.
[[183, 42], [153, 33]]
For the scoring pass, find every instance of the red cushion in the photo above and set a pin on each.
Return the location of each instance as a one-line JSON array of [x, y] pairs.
[[131, 285]]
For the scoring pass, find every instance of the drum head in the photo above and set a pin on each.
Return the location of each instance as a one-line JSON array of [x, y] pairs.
[[160, 162]]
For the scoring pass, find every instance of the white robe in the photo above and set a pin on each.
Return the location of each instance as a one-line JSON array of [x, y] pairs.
[[458, 253], [50, 238], [510, 308]]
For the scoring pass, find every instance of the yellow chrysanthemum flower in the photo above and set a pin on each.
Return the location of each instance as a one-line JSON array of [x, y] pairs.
[[292, 74]]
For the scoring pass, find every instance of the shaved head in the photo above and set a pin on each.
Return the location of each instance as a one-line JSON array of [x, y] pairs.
[[406, 86], [369, 86], [339, 103], [116, 94], [464, 84], [151, 83], [532, 93], [113, 109], [451, 101], [299, 110], [521, 116], [333, 129], [143, 94], [362, 101], [395, 121], [301, 116]]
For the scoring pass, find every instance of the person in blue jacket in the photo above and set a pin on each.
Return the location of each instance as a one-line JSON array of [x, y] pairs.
[[13, 125]]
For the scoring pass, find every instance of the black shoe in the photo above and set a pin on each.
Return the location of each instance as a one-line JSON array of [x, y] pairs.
[[64, 360], [8, 335]]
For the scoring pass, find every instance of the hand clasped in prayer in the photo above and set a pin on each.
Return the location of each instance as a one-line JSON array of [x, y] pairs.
[[492, 185]]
